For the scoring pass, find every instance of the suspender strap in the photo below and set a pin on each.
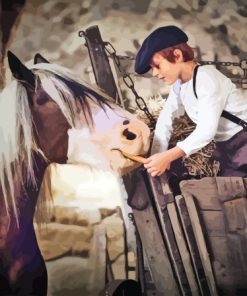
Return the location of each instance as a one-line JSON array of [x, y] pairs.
[[234, 119], [224, 113], [194, 79]]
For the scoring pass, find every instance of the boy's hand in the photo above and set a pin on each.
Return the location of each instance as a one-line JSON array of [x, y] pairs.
[[158, 163]]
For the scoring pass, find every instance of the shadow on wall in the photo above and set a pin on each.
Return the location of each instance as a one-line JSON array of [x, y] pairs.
[[10, 12]]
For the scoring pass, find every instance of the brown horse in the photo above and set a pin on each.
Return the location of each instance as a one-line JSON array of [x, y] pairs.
[[36, 111]]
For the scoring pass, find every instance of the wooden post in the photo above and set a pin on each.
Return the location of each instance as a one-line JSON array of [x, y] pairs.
[[100, 63], [153, 237]]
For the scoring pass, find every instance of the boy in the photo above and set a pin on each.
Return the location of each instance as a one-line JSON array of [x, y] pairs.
[[167, 53]]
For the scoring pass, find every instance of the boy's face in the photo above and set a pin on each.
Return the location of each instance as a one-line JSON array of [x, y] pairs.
[[164, 70]]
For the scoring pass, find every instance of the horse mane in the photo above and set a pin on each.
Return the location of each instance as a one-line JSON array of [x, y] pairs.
[[17, 142], [63, 87]]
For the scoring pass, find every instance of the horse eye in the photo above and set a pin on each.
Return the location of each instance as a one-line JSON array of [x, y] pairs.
[[42, 100]]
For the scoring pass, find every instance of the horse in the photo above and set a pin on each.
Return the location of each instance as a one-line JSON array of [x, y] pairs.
[[38, 111]]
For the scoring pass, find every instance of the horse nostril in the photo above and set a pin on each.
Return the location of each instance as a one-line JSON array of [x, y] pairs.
[[129, 135], [126, 122]]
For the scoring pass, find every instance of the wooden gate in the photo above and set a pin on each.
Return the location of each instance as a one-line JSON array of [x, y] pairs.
[[217, 208], [197, 240]]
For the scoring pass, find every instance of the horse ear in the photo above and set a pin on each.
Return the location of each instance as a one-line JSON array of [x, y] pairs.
[[19, 70], [38, 58]]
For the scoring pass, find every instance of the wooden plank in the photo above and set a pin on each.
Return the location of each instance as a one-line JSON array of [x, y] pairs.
[[174, 253], [156, 252], [162, 196], [237, 252], [193, 247], [220, 261], [183, 250], [236, 224], [230, 188], [227, 251], [140, 267], [196, 225], [232, 193], [205, 191], [152, 239], [215, 223], [236, 214]]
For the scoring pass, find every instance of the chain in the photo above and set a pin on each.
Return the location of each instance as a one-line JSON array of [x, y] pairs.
[[217, 63], [81, 33], [242, 64], [131, 218], [130, 84]]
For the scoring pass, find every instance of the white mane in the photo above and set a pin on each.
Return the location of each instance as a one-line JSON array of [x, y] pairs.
[[16, 134], [16, 140]]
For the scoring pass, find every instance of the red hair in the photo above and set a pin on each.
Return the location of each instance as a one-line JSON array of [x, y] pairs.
[[187, 51]]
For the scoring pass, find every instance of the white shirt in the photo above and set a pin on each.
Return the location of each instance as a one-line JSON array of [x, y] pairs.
[[215, 93]]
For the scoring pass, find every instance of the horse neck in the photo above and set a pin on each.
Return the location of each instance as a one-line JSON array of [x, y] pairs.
[[26, 199], [18, 244], [30, 192]]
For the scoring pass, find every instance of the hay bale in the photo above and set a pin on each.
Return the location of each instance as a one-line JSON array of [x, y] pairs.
[[200, 163]]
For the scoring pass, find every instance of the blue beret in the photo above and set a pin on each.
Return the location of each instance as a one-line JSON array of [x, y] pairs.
[[159, 39]]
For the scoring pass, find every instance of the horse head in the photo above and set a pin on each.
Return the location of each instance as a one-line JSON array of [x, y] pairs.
[[58, 103], [50, 125]]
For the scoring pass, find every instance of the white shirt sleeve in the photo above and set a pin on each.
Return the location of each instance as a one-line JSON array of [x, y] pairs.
[[211, 102], [172, 108]]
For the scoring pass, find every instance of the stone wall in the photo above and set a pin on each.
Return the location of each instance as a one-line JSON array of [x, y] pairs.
[[51, 27], [81, 229]]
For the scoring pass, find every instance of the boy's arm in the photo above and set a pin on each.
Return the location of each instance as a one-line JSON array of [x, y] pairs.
[[172, 108]]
